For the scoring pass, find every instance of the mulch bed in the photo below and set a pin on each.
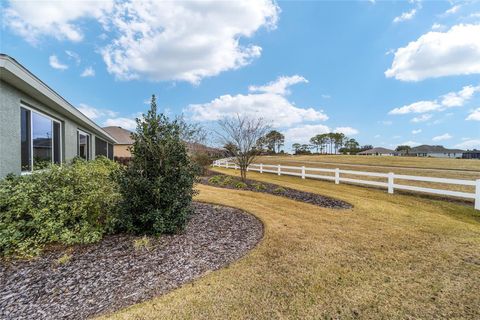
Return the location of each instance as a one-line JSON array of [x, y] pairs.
[[113, 273], [293, 194]]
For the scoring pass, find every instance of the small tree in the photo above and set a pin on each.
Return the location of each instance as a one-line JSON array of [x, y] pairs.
[[243, 133], [157, 186]]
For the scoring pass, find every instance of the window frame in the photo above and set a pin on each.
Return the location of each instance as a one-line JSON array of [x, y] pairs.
[[89, 143], [30, 121]]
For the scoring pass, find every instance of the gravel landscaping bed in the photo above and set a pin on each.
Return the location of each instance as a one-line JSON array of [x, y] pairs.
[[257, 186], [122, 270]]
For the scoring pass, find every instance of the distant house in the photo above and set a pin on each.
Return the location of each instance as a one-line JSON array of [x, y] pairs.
[[378, 151], [471, 154], [123, 137], [39, 127], [124, 141], [435, 152]]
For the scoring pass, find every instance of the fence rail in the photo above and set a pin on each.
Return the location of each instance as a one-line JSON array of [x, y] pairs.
[[390, 177]]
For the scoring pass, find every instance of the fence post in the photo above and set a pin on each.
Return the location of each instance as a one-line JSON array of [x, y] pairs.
[[226, 164], [235, 166], [303, 172], [279, 170], [337, 176], [477, 195], [391, 175], [261, 167]]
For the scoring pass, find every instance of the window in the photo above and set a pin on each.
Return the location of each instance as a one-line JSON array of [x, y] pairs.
[[40, 140], [110, 151], [83, 149], [101, 147]]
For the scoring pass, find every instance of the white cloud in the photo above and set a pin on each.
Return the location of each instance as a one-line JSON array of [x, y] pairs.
[[302, 134], [348, 131], [56, 64], [326, 96], [405, 16], [410, 143], [458, 99], [88, 72], [95, 113], [442, 137], [469, 144], [279, 86], [184, 40], [438, 26], [422, 118], [273, 107], [453, 9], [417, 131], [32, 19], [475, 115], [73, 55], [449, 100], [126, 123], [438, 54], [417, 107], [157, 40]]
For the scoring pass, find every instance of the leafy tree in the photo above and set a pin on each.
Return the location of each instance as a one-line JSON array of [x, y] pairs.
[[274, 141], [157, 186], [296, 147], [243, 132], [403, 148]]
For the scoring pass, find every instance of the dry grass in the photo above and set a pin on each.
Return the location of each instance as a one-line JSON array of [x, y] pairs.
[[429, 167], [414, 162], [390, 257]]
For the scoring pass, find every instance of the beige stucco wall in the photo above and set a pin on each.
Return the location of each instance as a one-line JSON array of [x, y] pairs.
[[121, 150]]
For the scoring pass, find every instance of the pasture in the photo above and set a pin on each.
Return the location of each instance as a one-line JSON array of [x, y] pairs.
[[389, 257], [428, 167]]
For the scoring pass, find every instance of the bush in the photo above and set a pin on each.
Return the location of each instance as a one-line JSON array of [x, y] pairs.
[[215, 180], [240, 185], [259, 186], [157, 186], [67, 204], [202, 161], [228, 180], [279, 190]]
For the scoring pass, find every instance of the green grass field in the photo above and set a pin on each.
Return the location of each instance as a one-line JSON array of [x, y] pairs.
[[390, 257]]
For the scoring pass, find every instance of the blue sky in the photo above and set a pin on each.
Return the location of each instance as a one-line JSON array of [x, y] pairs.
[[383, 72]]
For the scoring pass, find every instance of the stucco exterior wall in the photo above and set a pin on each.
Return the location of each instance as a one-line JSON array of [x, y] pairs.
[[11, 100], [121, 150]]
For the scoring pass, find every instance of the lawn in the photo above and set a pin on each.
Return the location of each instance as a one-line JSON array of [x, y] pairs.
[[389, 257], [416, 166]]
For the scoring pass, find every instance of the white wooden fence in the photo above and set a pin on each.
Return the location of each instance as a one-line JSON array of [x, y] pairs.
[[389, 184]]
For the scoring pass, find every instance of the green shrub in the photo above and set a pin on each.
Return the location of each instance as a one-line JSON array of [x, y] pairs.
[[215, 180], [67, 204], [279, 190], [240, 185], [228, 180], [157, 186], [259, 186], [202, 161]]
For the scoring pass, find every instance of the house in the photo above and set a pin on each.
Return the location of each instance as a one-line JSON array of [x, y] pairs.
[[124, 141], [39, 127], [378, 151], [471, 154], [435, 152]]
